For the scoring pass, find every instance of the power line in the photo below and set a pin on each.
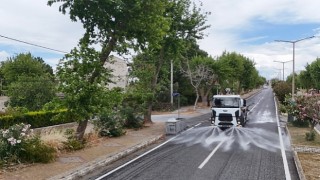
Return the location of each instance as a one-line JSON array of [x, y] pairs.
[[32, 44]]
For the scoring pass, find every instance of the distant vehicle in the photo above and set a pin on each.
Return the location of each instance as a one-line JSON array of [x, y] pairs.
[[228, 111]]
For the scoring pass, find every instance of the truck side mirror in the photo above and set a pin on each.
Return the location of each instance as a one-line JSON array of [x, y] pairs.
[[244, 102]]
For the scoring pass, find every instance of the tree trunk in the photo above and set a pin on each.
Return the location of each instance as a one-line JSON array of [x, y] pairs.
[[204, 93], [82, 126], [203, 97], [147, 115], [105, 53], [204, 100], [196, 101]]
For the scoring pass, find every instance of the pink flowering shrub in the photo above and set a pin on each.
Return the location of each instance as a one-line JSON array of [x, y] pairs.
[[11, 142], [309, 108], [15, 143]]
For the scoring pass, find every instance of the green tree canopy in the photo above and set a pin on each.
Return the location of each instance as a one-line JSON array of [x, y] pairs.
[[24, 65], [29, 81], [187, 23], [115, 26], [241, 74]]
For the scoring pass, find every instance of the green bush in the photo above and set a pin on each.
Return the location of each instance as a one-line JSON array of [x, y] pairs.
[[17, 145], [35, 119], [111, 123], [11, 143], [300, 123], [35, 151], [282, 108], [281, 89], [310, 136], [133, 119], [72, 143]]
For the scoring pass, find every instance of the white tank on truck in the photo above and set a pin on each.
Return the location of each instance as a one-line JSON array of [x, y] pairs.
[[228, 111]]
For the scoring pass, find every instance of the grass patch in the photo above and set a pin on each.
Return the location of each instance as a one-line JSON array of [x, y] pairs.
[[310, 162], [298, 136]]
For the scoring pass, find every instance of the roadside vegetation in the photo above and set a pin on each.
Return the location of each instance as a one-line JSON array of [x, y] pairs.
[[78, 90], [303, 115]]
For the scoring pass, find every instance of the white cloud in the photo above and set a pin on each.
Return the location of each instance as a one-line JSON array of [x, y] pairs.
[[230, 18], [33, 21], [3, 55]]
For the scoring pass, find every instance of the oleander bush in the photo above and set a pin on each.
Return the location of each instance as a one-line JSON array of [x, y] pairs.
[[18, 144], [282, 108]]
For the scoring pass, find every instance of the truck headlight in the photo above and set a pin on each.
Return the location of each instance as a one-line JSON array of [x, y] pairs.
[[212, 121]]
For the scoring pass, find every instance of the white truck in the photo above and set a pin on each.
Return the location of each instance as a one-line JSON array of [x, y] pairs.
[[228, 111]]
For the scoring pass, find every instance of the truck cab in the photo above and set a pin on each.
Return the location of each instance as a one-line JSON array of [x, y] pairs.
[[228, 111]]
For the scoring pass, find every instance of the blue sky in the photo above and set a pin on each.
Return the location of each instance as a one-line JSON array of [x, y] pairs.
[[268, 32], [248, 27]]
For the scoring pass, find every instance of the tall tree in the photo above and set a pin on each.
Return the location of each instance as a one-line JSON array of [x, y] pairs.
[[187, 23], [81, 96], [314, 70], [24, 64], [249, 76], [240, 72], [305, 79], [200, 72], [29, 81], [116, 26]]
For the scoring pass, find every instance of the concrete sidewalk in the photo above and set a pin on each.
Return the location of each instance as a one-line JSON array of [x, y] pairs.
[[317, 128], [101, 152]]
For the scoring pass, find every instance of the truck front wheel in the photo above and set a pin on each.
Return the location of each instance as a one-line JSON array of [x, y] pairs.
[[242, 121]]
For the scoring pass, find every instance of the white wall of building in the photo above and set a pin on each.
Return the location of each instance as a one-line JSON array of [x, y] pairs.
[[120, 72]]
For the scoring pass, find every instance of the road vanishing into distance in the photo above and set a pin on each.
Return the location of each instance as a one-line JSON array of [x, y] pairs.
[[258, 151]]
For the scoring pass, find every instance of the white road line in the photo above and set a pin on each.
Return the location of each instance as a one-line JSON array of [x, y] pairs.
[[253, 96], [255, 105], [197, 124], [188, 129], [210, 155], [129, 162], [283, 153]]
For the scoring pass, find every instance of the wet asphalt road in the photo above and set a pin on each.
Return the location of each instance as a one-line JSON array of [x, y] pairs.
[[204, 152]]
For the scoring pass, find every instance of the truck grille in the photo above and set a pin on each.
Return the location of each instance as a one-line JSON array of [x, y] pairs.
[[225, 124], [225, 117]]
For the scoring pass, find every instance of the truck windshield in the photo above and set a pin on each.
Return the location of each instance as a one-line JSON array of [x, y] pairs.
[[226, 102]]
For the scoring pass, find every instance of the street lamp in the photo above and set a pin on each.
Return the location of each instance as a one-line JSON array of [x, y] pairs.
[[293, 53], [282, 67], [279, 73]]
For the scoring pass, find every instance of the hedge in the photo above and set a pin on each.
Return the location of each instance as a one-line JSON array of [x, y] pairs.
[[36, 119]]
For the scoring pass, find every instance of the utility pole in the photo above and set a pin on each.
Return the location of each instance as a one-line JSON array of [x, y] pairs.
[[282, 67], [293, 54], [171, 84]]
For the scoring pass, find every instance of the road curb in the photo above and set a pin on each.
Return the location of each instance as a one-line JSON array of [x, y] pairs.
[[103, 161], [315, 128], [296, 160], [299, 166]]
